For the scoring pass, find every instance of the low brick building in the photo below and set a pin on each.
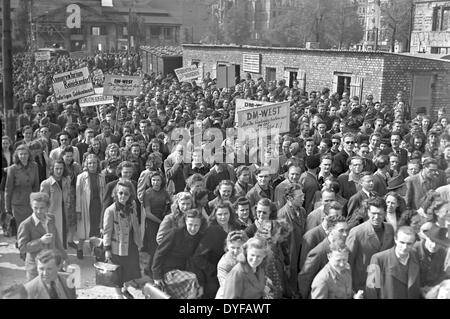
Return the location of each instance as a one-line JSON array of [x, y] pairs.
[[424, 81]]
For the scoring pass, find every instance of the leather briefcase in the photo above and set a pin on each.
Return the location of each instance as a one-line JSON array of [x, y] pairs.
[[107, 274]]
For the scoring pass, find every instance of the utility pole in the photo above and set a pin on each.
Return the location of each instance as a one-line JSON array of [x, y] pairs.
[[129, 30], [8, 106]]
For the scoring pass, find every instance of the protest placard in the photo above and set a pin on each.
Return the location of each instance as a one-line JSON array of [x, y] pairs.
[[242, 104], [97, 75], [122, 85], [188, 73], [273, 115], [97, 99], [72, 85], [42, 56]]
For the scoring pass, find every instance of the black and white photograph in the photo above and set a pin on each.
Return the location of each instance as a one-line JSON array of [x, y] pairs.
[[194, 151]]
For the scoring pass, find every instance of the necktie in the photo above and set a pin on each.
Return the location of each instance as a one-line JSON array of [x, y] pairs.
[[52, 291]]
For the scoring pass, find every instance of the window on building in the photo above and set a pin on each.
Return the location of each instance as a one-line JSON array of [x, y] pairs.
[[436, 19], [99, 30], [155, 31], [445, 19], [168, 32], [441, 19], [125, 31], [95, 30]]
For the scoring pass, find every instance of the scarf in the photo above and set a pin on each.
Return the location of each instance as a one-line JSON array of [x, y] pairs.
[[124, 210]]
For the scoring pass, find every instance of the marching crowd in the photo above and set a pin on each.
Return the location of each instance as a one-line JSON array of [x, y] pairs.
[[354, 203]]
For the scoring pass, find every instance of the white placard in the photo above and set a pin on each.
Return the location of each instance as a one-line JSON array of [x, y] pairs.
[[97, 99], [272, 116], [122, 85], [188, 73], [72, 85]]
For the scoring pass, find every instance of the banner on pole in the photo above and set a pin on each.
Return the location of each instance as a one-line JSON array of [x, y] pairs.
[[269, 116], [72, 85], [122, 85], [188, 73], [42, 56], [97, 99]]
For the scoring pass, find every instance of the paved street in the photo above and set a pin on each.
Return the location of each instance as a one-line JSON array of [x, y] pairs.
[[12, 270]]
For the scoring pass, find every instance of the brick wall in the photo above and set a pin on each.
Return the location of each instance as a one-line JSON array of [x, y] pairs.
[[399, 72], [384, 74]]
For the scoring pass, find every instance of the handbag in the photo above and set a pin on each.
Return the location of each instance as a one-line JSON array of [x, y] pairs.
[[107, 274]]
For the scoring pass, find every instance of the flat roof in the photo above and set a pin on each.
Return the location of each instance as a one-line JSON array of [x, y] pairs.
[[164, 51], [263, 48]]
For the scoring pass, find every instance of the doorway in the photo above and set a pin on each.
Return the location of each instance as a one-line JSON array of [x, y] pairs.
[[421, 92], [341, 83]]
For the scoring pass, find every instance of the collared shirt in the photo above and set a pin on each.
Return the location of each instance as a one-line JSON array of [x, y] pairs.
[[37, 221], [403, 261], [366, 192], [353, 178]]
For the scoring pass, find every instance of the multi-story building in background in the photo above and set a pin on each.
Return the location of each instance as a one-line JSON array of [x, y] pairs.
[[431, 27], [106, 24]]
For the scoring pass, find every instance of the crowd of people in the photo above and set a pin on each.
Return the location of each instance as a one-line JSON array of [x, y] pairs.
[[357, 205]]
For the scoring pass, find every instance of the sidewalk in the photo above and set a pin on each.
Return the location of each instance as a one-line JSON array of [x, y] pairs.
[[12, 271]]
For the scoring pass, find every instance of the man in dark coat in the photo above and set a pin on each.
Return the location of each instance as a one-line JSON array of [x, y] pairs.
[[340, 165], [418, 185], [355, 202], [317, 257], [367, 239], [349, 182], [431, 251], [395, 273]]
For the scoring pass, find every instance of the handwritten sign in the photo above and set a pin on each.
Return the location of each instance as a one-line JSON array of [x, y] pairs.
[[188, 73], [122, 85], [42, 56], [72, 85], [251, 62], [272, 116], [97, 99]]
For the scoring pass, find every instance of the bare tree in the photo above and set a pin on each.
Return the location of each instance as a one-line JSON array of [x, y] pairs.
[[396, 20]]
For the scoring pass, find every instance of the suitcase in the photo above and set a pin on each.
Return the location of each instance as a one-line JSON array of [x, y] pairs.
[[108, 275]]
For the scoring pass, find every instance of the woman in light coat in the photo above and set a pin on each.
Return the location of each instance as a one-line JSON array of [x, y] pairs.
[[57, 187], [90, 189], [122, 235]]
